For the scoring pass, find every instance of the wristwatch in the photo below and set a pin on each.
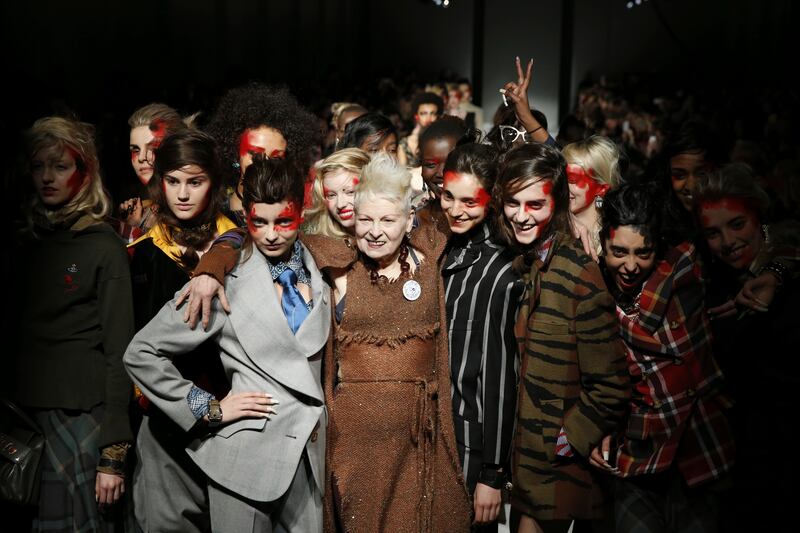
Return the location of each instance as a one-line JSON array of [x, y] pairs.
[[214, 413]]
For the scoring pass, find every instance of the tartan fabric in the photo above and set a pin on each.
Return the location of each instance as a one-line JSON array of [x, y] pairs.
[[67, 497], [127, 232], [665, 505], [677, 411]]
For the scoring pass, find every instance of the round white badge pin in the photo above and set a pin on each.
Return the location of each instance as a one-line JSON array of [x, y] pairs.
[[411, 290]]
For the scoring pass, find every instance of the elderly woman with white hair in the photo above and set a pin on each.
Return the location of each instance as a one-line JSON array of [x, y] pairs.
[[393, 463]]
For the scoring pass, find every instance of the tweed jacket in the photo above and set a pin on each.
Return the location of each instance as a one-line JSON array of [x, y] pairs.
[[573, 375], [259, 353], [677, 413]]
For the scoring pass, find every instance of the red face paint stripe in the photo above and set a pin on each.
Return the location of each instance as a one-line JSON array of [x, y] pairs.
[[482, 197], [250, 216], [159, 130], [246, 145], [450, 176], [293, 213], [579, 176], [76, 179], [737, 205]]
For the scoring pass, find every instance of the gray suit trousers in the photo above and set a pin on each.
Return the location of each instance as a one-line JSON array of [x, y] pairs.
[[299, 510], [169, 490]]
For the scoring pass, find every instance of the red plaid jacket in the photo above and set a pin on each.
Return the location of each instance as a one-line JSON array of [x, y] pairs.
[[677, 413]]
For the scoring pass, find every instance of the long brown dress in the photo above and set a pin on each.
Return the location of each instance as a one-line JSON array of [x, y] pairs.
[[392, 460]]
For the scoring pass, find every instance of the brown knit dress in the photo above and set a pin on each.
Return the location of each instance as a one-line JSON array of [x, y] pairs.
[[392, 462]]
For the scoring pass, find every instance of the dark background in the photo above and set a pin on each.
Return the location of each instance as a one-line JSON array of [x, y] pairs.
[[102, 59]]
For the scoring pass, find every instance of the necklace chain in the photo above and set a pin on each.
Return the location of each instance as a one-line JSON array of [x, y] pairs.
[[402, 258]]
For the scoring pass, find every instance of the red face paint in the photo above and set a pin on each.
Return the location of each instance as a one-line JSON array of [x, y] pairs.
[[449, 176], [547, 188], [611, 233], [736, 205], [482, 198], [134, 156], [250, 226], [246, 145], [277, 154], [355, 181], [326, 191], [292, 212], [584, 179], [159, 130], [75, 181], [579, 176]]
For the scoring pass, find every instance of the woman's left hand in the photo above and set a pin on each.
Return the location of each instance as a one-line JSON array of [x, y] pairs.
[[518, 92], [108, 488], [487, 504], [758, 293], [582, 232]]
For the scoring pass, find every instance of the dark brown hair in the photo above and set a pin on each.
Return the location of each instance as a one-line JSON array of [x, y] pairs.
[[521, 167], [480, 160], [270, 181], [181, 149]]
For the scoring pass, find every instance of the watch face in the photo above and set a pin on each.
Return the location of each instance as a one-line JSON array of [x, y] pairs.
[[214, 413]]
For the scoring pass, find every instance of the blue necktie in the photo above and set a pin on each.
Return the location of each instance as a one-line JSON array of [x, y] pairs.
[[292, 302]]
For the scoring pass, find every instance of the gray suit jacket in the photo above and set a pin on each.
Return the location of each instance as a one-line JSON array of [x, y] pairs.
[[255, 458]]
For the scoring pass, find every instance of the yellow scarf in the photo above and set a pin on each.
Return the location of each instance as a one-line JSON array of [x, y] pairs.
[[158, 233]]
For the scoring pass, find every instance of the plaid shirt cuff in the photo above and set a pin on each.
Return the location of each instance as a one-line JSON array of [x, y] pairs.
[[563, 449], [198, 401]]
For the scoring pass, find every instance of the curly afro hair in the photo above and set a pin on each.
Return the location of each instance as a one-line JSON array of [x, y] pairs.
[[257, 104]]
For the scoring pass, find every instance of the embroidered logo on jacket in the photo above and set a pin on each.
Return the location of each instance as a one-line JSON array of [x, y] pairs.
[[70, 283]]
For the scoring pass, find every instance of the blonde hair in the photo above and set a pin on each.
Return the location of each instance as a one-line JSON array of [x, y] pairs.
[[78, 137], [317, 218], [337, 108], [383, 177], [147, 115], [597, 153]]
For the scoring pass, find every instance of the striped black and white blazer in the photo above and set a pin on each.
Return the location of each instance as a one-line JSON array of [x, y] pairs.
[[482, 295]]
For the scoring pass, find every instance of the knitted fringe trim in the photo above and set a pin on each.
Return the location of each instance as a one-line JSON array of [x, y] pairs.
[[345, 338]]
